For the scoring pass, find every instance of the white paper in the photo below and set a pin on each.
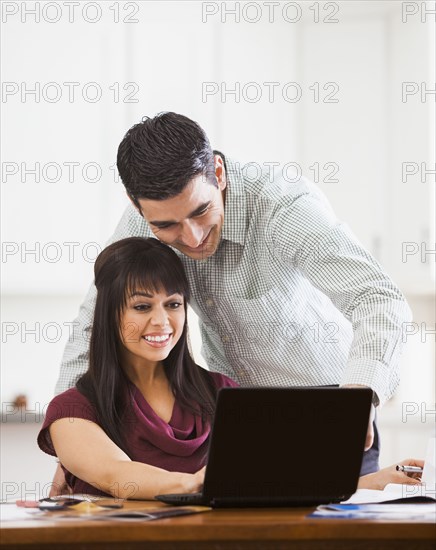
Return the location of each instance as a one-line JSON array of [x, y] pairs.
[[12, 512], [379, 511], [429, 473], [79, 496], [392, 491], [9, 511]]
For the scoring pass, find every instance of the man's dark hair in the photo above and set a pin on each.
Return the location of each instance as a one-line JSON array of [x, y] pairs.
[[159, 156]]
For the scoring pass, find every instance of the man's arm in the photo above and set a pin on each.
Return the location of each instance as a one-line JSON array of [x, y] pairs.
[[307, 235], [75, 358]]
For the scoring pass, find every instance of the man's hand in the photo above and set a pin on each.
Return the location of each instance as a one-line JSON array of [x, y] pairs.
[[370, 433], [59, 485], [379, 480]]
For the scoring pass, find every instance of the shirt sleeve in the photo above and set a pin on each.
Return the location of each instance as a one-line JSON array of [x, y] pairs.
[[69, 404], [307, 235], [75, 359]]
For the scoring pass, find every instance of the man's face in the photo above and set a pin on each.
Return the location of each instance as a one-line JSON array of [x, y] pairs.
[[192, 220]]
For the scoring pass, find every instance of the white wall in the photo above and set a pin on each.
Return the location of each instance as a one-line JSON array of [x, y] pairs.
[[164, 61]]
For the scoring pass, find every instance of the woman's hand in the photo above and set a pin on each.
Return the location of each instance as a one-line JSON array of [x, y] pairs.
[[59, 485], [380, 479], [194, 482]]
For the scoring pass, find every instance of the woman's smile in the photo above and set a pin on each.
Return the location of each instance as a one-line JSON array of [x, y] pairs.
[[158, 340]]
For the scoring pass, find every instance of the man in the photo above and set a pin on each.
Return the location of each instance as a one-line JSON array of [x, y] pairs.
[[285, 293]]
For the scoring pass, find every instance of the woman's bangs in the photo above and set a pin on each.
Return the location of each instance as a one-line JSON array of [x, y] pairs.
[[154, 277]]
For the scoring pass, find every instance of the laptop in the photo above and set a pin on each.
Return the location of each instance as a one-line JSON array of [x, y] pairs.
[[283, 447]]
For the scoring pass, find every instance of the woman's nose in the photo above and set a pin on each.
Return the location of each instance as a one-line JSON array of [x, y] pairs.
[[159, 316]]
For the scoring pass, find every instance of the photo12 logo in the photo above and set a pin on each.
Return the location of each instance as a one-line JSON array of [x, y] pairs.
[[49, 252], [54, 92], [271, 12], [291, 171], [419, 251], [70, 171], [254, 92], [418, 91], [412, 11], [422, 330], [50, 332], [71, 12], [421, 170], [418, 410]]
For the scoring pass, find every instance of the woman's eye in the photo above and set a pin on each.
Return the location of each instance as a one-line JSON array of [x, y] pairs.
[[175, 305], [141, 307], [202, 212]]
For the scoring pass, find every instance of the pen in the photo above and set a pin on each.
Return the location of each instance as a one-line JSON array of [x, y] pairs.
[[409, 469]]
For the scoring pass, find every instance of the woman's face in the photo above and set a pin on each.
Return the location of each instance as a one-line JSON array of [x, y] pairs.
[[151, 325]]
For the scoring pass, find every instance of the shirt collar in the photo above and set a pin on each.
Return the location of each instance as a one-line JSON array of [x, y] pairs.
[[235, 214]]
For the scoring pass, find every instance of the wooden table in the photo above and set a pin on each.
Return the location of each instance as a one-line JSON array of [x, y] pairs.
[[239, 529]]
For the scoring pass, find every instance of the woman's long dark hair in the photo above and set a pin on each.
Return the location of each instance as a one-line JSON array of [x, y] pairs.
[[120, 269]]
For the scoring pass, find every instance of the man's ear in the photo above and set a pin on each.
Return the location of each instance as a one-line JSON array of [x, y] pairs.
[[220, 172]]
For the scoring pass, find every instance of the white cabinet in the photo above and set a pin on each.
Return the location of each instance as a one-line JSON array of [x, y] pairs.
[[411, 247], [326, 96], [61, 128], [380, 137]]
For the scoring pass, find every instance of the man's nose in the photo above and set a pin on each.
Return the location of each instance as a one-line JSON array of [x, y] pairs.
[[191, 234]]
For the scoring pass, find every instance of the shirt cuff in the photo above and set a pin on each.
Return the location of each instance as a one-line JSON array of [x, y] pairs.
[[373, 374]]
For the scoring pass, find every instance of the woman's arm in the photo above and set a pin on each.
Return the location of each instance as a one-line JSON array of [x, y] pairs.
[[89, 454], [379, 480], [59, 485]]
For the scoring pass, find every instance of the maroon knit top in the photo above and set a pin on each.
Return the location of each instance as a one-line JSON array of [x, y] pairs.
[[178, 446]]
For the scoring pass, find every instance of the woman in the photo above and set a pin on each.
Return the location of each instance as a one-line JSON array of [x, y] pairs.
[[137, 422]]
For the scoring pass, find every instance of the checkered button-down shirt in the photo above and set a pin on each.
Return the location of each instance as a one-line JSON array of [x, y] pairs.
[[290, 298]]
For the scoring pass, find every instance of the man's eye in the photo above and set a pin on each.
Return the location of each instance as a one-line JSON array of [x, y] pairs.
[[201, 213], [168, 225]]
